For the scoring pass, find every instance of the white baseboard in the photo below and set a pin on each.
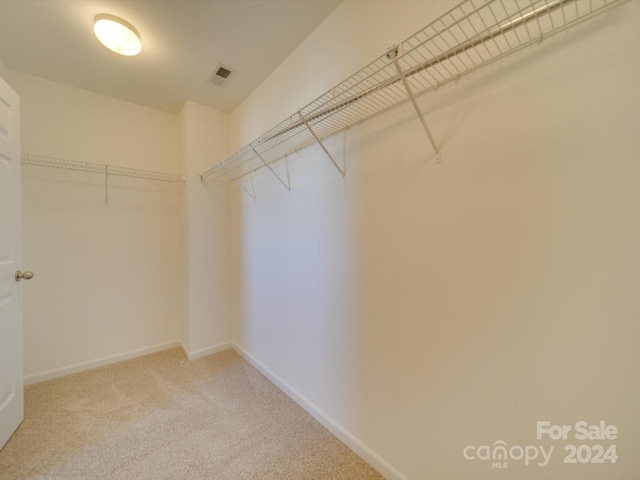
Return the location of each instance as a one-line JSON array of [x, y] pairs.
[[367, 454], [203, 352], [80, 367]]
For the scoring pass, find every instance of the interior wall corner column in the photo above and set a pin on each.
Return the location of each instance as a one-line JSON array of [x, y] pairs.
[[204, 134]]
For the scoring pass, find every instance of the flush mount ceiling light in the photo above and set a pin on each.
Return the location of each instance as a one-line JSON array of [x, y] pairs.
[[117, 35]]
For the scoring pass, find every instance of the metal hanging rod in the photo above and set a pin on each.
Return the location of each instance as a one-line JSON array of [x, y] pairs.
[[466, 38], [106, 170]]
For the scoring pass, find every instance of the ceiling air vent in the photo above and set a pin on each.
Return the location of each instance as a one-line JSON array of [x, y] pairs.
[[220, 74]]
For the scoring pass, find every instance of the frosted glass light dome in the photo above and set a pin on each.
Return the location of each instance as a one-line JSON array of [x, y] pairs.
[[117, 35]]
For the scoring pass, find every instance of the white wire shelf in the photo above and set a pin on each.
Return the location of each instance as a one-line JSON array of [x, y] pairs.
[[104, 170], [466, 38], [111, 170]]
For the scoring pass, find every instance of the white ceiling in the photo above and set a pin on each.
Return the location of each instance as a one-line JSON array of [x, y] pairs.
[[182, 41]]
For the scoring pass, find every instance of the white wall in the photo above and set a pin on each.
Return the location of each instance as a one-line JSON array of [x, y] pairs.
[[205, 141], [108, 278], [423, 307], [3, 69]]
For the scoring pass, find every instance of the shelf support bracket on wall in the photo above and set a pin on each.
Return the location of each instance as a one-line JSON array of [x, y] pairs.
[[306, 124], [106, 184], [393, 55], [287, 184], [233, 177]]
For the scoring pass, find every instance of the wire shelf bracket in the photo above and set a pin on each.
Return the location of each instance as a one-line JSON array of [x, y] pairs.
[[106, 184], [106, 170], [468, 37], [286, 184], [251, 193], [319, 141], [393, 55]]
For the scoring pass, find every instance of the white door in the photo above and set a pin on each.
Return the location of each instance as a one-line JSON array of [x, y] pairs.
[[11, 395]]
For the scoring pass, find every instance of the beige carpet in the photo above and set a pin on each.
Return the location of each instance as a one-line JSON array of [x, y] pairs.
[[163, 417]]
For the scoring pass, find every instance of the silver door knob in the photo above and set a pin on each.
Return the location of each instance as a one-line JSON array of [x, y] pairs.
[[26, 275]]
